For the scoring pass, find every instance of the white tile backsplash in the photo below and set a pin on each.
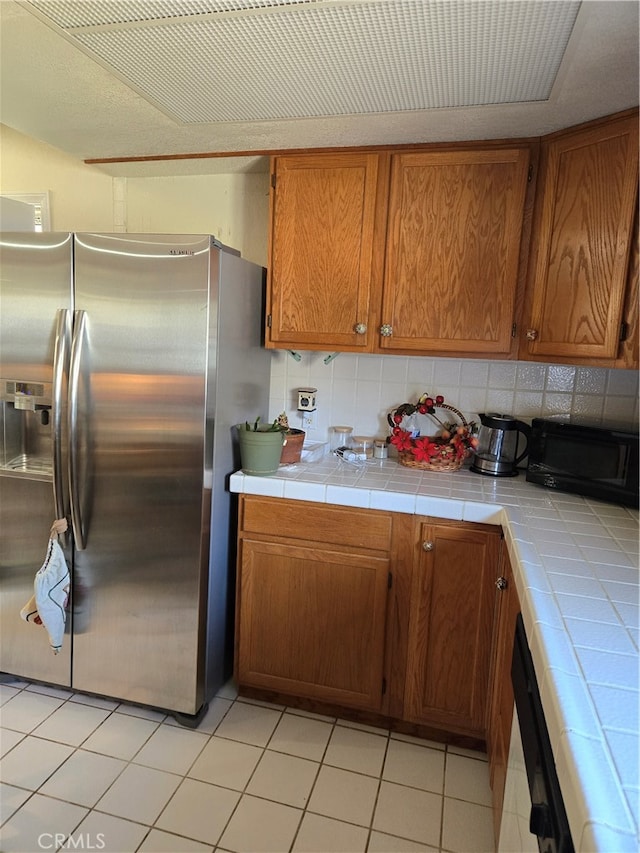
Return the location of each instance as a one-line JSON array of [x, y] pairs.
[[359, 390]]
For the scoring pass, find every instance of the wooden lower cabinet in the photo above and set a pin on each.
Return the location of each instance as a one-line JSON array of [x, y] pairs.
[[376, 611], [452, 610], [311, 613], [501, 708]]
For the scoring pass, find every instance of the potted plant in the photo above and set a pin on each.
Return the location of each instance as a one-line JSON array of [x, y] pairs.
[[260, 447], [294, 439]]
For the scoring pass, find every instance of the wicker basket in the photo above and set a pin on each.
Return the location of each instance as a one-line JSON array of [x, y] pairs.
[[447, 457]]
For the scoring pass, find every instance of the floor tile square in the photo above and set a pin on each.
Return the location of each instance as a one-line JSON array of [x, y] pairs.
[[357, 750], [172, 749], [227, 763], [467, 826], [284, 778], [344, 795], [249, 723], [139, 793], [8, 739], [120, 736], [301, 736], [107, 834], [409, 813], [71, 723], [38, 820], [83, 778], [164, 842], [26, 710], [198, 811], [10, 800], [415, 766], [467, 779], [381, 843], [32, 761], [7, 691], [260, 826], [318, 834]]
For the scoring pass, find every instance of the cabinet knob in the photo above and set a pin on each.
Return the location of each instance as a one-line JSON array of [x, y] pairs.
[[501, 583], [386, 330], [360, 328], [427, 546], [532, 334]]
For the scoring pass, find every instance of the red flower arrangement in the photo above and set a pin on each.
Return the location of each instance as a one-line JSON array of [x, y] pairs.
[[443, 452]]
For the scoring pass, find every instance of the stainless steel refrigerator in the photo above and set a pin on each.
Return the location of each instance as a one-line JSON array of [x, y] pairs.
[[125, 361]]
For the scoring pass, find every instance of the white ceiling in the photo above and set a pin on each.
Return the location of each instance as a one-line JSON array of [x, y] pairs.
[[152, 78]]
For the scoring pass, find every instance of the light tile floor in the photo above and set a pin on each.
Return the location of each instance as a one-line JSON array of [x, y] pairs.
[[80, 772]]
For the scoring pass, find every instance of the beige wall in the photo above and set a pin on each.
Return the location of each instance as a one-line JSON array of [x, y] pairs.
[[232, 207], [80, 197]]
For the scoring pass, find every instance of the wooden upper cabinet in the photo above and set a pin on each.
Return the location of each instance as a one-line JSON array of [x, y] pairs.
[[453, 248], [584, 225], [322, 236]]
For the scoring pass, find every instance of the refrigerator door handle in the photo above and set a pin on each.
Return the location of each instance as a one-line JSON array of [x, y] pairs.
[[79, 532], [60, 367]]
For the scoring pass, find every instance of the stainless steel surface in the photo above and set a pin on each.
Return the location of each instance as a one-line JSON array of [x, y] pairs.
[[35, 283], [77, 476], [166, 358], [498, 448], [58, 408]]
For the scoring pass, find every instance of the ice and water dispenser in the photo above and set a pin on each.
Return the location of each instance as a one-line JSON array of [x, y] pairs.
[[26, 428]]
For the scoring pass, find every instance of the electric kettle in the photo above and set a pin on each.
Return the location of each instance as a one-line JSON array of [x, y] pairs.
[[497, 452]]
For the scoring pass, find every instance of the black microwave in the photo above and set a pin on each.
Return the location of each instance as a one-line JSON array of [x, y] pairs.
[[575, 455]]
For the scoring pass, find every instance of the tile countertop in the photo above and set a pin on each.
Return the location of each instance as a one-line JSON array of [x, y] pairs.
[[575, 563]]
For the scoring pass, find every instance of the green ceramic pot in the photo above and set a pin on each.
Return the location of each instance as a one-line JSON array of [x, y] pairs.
[[260, 450]]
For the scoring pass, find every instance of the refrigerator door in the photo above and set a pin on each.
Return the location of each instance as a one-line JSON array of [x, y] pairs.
[[137, 437], [36, 301]]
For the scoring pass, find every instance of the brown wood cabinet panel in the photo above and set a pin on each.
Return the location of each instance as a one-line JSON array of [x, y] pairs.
[[584, 222], [451, 627], [312, 622], [322, 235], [453, 249], [286, 519], [501, 708]]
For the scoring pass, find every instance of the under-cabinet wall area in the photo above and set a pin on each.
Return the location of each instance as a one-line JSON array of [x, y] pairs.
[[358, 390]]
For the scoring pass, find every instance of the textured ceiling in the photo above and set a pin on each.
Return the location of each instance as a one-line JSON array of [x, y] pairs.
[[127, 78], [319, 59]]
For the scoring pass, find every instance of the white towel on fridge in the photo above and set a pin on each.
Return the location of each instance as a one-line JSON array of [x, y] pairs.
[[51, 592]]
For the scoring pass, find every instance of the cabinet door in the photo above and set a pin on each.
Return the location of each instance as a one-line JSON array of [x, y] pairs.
[[584, 226], [312, 622], [451, 628], [501, 708], [321, 248], [453, 249]]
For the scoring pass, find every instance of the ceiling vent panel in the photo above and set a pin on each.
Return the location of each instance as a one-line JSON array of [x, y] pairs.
[[255, 60]]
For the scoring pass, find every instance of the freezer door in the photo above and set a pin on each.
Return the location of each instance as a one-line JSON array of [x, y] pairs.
[[35, 298], [138, 421]]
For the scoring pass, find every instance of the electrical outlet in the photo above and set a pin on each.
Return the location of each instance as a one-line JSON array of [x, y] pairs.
[[308, 420]]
